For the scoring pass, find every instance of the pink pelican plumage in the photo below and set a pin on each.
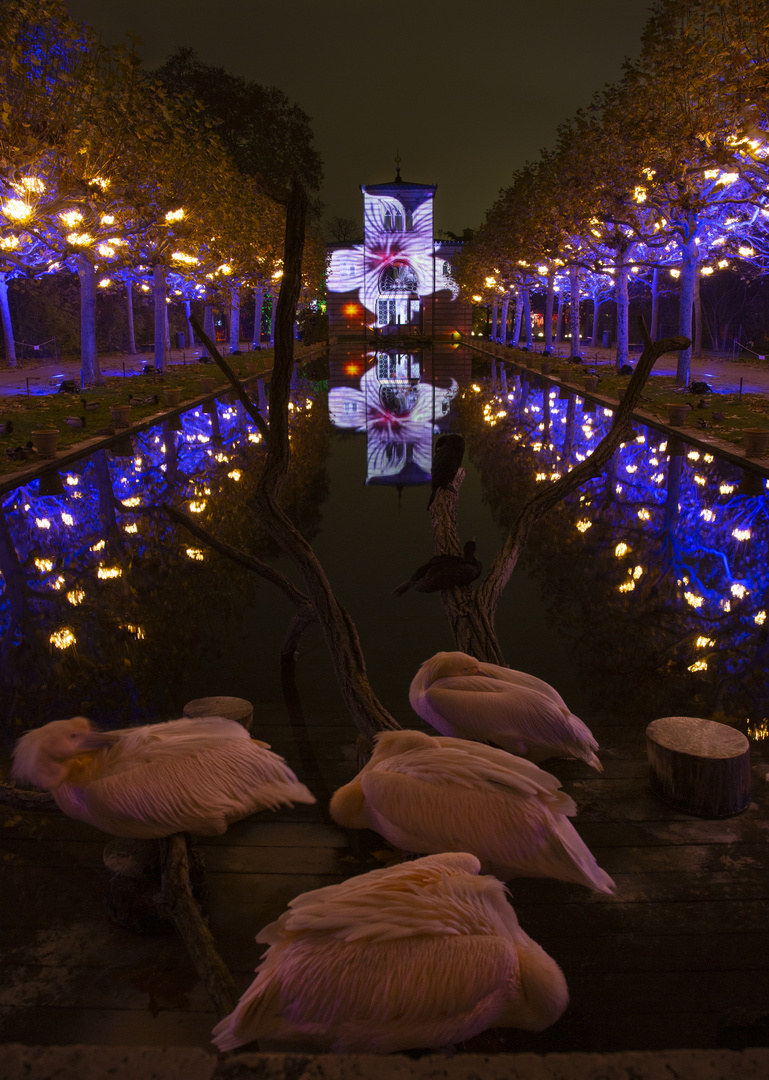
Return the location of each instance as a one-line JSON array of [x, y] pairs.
[[459, 695], [190, 775], [418, 955], [428, 794]]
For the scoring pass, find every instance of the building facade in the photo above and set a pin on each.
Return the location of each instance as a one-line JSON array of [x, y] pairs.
[[398, 281]]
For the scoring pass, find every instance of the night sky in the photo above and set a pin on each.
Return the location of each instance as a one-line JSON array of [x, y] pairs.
[[465, 92]]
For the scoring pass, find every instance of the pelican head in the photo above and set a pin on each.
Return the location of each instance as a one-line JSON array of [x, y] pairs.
[[391, 743], [447, 664], [42, 757]]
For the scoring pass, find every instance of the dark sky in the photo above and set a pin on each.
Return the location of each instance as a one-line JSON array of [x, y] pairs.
[[465, 91]]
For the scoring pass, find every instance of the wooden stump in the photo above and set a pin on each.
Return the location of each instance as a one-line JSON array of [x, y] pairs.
[[699, 766], [231, 708], [135, 879]]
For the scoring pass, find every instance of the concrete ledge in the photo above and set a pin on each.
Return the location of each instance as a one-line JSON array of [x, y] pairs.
[[19, 1062]]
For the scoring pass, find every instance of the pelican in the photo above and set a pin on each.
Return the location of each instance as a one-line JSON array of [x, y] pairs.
[[196, 775], [458, 695], [418, 955], [428, 793]]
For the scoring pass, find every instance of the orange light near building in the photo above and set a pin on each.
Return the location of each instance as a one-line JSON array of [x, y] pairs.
[[351, 310], [352, 368]]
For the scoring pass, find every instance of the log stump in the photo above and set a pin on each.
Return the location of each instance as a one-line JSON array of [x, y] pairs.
[[231, 708], [135, 880], [699, 766]]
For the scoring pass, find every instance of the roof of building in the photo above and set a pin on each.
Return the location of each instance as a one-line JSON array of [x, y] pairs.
[[398, 184]]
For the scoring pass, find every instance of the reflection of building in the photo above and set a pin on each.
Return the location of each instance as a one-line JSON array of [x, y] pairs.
[[399, 280], [400, 399]]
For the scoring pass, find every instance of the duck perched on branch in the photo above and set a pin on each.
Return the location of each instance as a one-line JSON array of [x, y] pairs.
[[444, 572], [189, 775], [428, 793], [458, 695], [414, 956]]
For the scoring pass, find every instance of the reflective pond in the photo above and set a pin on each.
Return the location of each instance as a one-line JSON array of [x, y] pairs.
[[643, 595]]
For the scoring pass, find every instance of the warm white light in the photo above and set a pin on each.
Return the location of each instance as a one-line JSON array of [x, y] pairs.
[[63, 638]]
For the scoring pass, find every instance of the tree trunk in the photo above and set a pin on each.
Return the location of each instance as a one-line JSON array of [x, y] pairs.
[[494, 313], [574, 310], [596, 314], [90, 371], [129, 295], [549, 312], [527, 318], [190, 332], [516, 334], [654, 330], [258, 305], [234, 318], [623, 311], [208, 313], [159, 303], [167, 331], [503, 318], [688, 278], [697, 318], [5, 312], [559, 320], [273, 313]]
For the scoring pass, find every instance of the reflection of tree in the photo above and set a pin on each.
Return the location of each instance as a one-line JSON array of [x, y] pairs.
[[674, 604], [134, 632]]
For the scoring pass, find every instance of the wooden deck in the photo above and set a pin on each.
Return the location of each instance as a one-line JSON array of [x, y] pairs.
[[679, 957]]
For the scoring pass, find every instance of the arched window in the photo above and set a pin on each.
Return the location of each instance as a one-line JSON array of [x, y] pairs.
[[398, 222], [409, 221], [388, 222]]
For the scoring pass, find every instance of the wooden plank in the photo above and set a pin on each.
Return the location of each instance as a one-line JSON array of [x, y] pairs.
[[68, 1026], [693, 952], [594, 920]]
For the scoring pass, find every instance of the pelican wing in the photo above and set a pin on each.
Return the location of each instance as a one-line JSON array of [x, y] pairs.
[[150, 794], [522, 678], [376, 995]]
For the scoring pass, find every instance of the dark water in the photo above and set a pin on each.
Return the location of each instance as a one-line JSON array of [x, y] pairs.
[[671, 624]]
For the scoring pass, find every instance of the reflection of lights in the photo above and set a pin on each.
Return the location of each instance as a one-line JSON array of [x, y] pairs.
[[658, 478], [699, 480], [58, 583], [197, 507], [637, 571], [759, 618], [67, 519], [63, 638], [693, 455], [699, 665], [631, 468], [133, 501], [726, 605], [726, 489], [72, 480], [708, 458], [694, 600], [255, 437], [584, 525], [739, 590], [759, 730], [741, 534], [99, 545], [221, 458], [627, 586], [618, 489], [106, 573], [195, 553], [541, 476], [42, 523], [137, 631], [45, 565], [132, 528], [76, 596], [476, 388], [235, 474], [708, 515], [621, 549], [704, 642], [644, 514]]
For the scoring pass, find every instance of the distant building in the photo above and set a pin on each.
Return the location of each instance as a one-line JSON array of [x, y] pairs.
[[398, 281]]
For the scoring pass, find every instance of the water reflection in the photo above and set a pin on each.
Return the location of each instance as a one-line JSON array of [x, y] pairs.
[[399, 410], [656, 570]]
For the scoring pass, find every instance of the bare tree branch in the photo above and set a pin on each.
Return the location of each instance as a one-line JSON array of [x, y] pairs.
[[246, 401]]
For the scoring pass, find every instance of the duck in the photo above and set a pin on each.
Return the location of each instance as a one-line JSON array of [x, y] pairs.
[[189, 775], [75, 421], [461, 696], [413, 956], [444, 572], [447, 458], [427, 794]]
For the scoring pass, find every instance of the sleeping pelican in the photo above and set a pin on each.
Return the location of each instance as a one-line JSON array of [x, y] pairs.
[[418, 955], [459, 695], [197, 775], [431, 794]]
